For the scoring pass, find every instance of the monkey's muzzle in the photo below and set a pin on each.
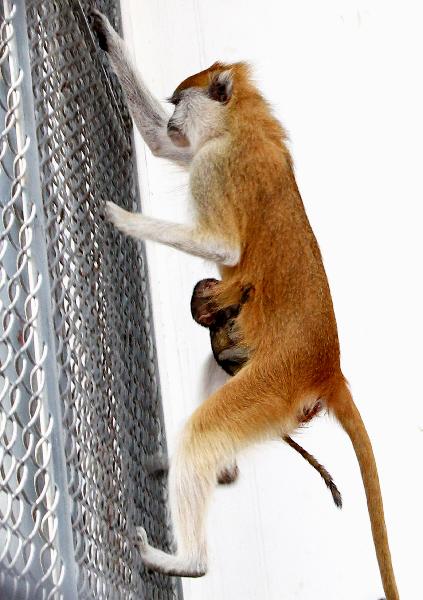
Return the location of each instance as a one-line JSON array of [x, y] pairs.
[[176, 135]]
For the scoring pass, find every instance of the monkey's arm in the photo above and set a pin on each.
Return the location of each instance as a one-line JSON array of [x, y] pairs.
[[148, 114], [182, 237]]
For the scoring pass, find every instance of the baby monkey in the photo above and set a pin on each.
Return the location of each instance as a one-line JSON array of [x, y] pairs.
[[231, 354]]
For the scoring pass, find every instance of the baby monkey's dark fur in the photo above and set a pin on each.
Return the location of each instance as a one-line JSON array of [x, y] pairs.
[[230, 353]]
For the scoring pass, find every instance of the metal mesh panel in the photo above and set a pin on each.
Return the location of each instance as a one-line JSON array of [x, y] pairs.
[[80, 406]]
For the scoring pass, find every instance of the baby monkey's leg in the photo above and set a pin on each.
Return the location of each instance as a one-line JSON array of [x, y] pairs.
[[324, 474]]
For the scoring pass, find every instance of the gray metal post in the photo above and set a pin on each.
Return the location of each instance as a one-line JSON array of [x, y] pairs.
[[57, 527]]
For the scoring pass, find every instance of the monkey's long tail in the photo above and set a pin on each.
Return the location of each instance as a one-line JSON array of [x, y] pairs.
[[324, 474], [348, 415]]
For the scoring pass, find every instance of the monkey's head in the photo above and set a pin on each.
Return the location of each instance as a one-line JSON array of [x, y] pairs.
[[202, 102], [204, 309], [225, 335]]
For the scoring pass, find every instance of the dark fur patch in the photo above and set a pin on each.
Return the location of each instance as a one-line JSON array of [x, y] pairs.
[[228, 475], [99, 29], [220, 90]]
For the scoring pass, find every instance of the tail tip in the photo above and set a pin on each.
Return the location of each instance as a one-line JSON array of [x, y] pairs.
[[336, 495]]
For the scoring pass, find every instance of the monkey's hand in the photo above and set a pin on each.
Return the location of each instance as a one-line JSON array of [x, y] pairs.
[[143, 227], [142, 539], [124, 220], [102, 29]]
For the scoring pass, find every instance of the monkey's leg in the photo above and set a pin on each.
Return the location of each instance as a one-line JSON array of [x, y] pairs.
[[147, 112], [182, 237], [190, 486], [227, 421]]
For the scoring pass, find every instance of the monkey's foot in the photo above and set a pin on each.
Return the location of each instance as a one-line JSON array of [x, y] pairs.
[[156, 463], [228, 475], [169, 564]]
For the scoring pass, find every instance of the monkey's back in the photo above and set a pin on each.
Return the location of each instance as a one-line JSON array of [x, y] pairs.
[[289, 324]]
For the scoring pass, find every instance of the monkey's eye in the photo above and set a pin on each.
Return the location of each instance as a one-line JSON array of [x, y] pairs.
[[175, 100]]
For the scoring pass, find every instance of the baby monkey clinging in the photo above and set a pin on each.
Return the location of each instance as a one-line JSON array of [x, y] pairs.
[[232, 355], [250, 221]]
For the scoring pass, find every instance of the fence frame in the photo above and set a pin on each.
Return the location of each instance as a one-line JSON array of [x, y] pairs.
[[52, 565]]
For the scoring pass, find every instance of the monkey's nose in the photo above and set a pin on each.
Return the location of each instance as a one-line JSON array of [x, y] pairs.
[[172, 129]]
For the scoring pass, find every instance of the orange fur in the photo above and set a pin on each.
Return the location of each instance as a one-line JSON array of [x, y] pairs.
[[201, 79], [289, 324]]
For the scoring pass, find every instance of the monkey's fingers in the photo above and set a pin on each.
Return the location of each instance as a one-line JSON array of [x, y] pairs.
[[324, 474], [100, 25], [142, 538]]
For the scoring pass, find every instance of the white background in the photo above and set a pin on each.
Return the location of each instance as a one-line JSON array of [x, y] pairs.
[[345, 79]]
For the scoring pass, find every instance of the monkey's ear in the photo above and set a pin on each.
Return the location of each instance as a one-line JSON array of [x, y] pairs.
[[221, 86]]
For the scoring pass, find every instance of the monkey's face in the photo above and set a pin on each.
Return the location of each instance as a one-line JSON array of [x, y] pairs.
[[226, 341], [200, 104], [225, 335]]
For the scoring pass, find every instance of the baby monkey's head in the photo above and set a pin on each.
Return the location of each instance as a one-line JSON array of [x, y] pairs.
[[225, 335]]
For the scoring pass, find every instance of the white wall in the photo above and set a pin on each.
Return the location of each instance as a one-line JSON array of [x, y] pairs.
[[345, 79]]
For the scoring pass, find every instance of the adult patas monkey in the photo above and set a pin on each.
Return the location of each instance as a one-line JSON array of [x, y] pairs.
[[250, 220]]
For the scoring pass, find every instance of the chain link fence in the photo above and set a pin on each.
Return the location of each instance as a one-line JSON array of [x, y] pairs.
[[80, 407]]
